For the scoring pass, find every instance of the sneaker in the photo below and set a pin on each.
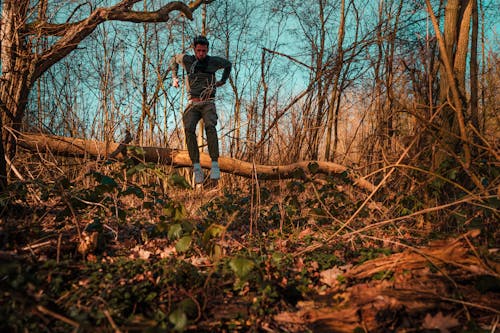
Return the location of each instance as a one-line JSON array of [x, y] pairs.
[[215, 171], [198, 174]]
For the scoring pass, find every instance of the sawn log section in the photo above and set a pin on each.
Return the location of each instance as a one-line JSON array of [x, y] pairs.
[[68, 146]]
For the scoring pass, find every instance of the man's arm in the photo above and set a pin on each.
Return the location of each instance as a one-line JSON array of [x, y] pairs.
[[174, 66], [226, 65]]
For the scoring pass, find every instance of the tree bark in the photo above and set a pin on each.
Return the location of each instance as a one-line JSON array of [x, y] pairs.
[[66, 146]]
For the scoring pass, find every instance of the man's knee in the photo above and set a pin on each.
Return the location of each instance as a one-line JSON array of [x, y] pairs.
[[210, 116], [190, 119], [210, 129], [190, 129], [189, 124]]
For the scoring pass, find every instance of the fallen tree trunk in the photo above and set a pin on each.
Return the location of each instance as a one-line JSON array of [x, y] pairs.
[[67, 146]]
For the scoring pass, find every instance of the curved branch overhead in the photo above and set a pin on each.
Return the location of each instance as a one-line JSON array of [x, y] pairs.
[[73, 33], [120, 12], [180, 158]]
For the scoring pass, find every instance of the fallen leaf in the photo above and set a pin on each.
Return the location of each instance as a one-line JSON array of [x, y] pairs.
[[305, 232], [330, 276], [168, 251], [144, 254], [288, 317], [440, 322]]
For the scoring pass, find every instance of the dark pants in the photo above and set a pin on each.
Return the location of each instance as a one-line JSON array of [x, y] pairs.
[[192, 115]]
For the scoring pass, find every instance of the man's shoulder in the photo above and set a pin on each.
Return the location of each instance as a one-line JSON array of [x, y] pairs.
[[185, 57], [219, 60]]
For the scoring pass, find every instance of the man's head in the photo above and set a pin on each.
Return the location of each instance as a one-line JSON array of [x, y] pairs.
[[200, 44]]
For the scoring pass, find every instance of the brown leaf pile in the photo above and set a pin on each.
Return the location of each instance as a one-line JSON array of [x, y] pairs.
[[422, 284]]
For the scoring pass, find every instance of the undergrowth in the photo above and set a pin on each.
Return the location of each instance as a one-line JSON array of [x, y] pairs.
[[137, 249]]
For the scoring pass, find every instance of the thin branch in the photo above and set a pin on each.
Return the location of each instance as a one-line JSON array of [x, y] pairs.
[[57, 316], [288, 57]]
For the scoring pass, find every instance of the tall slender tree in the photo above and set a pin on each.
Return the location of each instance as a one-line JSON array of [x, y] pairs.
[[453, 47]]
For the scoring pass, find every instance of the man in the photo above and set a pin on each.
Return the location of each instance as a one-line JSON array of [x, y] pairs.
[[201, 86]]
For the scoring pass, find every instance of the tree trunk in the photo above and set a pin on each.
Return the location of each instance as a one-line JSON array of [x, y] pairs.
[[453, 50], [65, 146], [16, 79], [332, 118]]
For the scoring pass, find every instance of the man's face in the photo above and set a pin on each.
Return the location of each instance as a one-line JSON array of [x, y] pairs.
[[200, 51]]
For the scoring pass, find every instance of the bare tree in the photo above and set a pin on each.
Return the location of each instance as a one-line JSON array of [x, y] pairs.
[[453, 47], [334, 103]]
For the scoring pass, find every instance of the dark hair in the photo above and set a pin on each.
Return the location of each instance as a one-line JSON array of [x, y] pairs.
[[200, 40]]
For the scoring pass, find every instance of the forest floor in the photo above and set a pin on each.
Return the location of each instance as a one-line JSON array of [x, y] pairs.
[[289, 256]]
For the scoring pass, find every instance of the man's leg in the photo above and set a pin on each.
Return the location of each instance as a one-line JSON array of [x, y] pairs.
[[210, 119], [190, 119]]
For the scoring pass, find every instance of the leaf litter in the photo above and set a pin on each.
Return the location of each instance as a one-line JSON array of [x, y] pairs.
[[207, 268]]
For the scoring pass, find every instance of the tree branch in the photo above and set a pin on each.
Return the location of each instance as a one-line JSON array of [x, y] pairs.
[[73, 33], [161, 15]]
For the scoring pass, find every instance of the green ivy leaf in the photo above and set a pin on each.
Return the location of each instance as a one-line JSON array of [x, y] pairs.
[[180, 213], [187, 226], [176, 210], [452, 174], [212, 231], [313, 167], [183, 244], [136, 150], [108, 182], [151, 296], [175, 231], [168, 211], [135, 169], [178, 181], [241, 266], [216, 251], [189, 307], [179, 319], [133, 190]]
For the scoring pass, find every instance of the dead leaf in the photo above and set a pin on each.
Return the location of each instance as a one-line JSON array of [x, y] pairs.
[[305, 232], [144, 254], [440, 322], [299, 264], [88, 242], [289, 317], [330, 276], [167, 252]]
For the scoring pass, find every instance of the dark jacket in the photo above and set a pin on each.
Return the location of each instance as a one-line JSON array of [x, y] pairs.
[[201, 74]]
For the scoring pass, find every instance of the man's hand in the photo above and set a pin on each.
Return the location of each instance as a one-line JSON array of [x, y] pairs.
[[175, 82]]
